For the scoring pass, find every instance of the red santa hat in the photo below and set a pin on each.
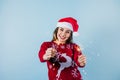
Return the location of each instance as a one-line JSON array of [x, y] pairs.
[[70, 23]]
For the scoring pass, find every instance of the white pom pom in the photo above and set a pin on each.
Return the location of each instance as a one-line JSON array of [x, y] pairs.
[[75, 34]]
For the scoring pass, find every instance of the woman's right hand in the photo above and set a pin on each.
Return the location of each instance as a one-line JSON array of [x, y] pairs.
[[50, 52]]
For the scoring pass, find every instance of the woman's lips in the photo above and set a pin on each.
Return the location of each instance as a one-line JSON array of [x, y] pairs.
[[62, 37]]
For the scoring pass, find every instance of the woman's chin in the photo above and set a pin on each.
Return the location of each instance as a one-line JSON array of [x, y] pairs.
[[61, 41]]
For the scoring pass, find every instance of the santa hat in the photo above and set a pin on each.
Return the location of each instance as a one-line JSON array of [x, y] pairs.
[[70, 23]]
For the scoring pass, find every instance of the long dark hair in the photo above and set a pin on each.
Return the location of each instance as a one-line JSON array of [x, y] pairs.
[[70, 39]]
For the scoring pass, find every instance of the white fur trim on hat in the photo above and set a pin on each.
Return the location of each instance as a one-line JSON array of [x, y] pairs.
[[65, 24], [75, 34]]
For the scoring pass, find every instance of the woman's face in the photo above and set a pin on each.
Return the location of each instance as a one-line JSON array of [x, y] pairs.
[[63, 34]]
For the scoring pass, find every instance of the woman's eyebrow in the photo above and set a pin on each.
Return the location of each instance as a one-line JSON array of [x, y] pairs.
[[61, 28], [68, 30]]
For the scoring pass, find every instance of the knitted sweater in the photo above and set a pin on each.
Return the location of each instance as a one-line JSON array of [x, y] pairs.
[[64, 66]]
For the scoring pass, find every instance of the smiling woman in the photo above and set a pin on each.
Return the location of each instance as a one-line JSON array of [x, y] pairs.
[[62, 55], [24, 24]]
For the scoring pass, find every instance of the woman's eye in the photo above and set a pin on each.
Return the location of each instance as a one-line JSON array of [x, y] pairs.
[[61, 29], [67, 31]]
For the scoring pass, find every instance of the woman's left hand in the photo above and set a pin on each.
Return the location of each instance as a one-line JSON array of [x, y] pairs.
[[82, 60]]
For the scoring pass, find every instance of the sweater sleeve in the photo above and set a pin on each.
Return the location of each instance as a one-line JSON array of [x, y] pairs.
[[77, 51], [42, 50]]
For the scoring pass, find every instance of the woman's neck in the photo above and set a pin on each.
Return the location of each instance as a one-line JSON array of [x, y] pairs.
[[58, 42]]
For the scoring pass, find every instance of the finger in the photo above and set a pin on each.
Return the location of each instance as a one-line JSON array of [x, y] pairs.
[[49, 48], [53, 55], [81, 55], [82, 59], [48, 51], [54, 50], [46, 57]]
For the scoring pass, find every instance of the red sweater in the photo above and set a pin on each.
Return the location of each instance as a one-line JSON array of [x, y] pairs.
[[64, 66]]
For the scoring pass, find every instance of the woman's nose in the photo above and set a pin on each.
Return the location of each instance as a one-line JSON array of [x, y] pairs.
[[63, 33]]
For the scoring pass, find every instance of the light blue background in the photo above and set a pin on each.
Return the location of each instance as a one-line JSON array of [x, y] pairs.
[[25, 24]]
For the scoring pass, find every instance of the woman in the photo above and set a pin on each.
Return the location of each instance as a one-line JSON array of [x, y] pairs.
[[63, 57]]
